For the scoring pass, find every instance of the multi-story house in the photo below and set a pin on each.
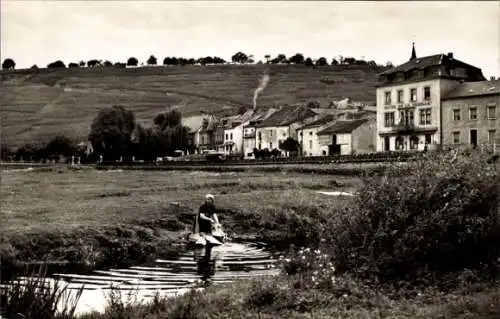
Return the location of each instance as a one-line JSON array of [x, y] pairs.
[[471, 115], [249, 132], [233, 133], [281, 125], [308, 138], [347, 137], [207, 136], [194, 124], [409, 100]]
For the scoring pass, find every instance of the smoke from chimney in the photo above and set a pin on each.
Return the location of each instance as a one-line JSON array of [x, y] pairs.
[[262, 85]]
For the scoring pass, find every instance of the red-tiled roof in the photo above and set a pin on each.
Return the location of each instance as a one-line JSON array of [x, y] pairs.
[[467, 89], [343, 126]]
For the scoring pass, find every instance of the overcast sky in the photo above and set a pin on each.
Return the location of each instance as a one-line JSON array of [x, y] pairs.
[[39, 32]]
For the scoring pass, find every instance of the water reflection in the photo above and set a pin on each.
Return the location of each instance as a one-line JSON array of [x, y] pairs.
[[205, 264]]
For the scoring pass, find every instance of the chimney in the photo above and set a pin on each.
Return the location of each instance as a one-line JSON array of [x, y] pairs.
[[450, 55]]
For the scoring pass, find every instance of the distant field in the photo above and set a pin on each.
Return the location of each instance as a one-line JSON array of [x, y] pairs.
[[36, 106], [35, 201]]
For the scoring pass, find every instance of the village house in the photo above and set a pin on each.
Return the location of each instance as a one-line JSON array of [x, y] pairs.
[[207, 134], [308, 138], [348, 137], [249, 132], [233, 133], [281, 125], [194, 124], [409, 100], [471, 115]]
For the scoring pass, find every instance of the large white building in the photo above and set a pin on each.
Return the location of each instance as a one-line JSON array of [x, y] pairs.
[[409, 100]]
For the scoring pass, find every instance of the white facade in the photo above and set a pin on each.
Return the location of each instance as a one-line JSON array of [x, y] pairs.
[[271, 137], [406, 118], [249, 142], [310, 142], [233, 140]]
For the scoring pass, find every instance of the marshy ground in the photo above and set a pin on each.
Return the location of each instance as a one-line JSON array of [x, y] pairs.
[[105, 217]]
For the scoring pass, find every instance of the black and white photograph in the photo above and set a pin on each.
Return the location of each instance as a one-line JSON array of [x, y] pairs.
[[165, 159]]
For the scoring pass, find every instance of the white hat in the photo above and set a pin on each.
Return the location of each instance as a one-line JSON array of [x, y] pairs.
[[209, 196]]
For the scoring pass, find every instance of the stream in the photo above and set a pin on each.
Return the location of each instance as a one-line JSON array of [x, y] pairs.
[[195, 268]]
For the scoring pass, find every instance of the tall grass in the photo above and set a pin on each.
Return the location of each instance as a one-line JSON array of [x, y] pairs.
[[37, 296], [424, 222]]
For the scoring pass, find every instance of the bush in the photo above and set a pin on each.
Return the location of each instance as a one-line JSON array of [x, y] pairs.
[[424, 222]]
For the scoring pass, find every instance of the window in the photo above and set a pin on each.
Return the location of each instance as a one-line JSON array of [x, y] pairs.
[[427, 93], [311, 133], [284, 134], [473, 113], [413, 95], [231, 136], [491, 136], [271, 145], [400, 96], [456, 137], [389, 119], [226, 136], [425, 116], [310, 144], [387, 98], [260, 137], [492, 110], [456, 115]]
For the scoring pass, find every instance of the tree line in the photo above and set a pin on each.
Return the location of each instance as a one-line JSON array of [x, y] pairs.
[[114, 135], [239, 58]]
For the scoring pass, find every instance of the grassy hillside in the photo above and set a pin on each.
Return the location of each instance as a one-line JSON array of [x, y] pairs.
[[36, 105]]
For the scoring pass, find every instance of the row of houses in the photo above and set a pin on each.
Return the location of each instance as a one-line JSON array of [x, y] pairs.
[[427, 102], [436, 101], [318, 131]]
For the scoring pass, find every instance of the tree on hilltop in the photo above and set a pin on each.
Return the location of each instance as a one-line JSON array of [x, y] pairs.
[[56, 64], [239, 57], [308, 62], [280, 59], [152, 60], [73, 65], [107, 63], [132, 61], [334, 62], [8, 64], [298, 58], [93, 63], [321, 62], [82, 64], [267, 57]]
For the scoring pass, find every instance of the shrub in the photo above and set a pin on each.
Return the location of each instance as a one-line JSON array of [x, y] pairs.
[[422, 221]]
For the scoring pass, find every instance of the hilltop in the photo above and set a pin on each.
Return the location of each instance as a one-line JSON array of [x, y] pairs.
[[38, 104]]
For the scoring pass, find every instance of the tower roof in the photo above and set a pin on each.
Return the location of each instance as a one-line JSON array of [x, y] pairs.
[[413, 53]]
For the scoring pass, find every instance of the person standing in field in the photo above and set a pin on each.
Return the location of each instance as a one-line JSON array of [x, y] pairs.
[[207, 216]]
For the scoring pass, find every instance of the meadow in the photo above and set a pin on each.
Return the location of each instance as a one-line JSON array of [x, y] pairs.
[[419, 241], [37, 105]]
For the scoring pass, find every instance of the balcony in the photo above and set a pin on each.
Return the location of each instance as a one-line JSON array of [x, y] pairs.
[[403, 128]]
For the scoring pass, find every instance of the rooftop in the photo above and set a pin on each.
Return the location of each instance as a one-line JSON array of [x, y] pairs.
[[343, 126], [288, 115], [319, 122], [468, 89]]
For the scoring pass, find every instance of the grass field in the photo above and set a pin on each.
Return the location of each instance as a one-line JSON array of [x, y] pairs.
[[37, 106], [124, 215], [45, 212]]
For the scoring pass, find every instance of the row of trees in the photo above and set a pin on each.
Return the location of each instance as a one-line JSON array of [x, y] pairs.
[[238, 57], [59, 148], [115, 135]]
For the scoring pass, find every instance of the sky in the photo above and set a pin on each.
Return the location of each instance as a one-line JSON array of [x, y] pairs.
[[40, 32]]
